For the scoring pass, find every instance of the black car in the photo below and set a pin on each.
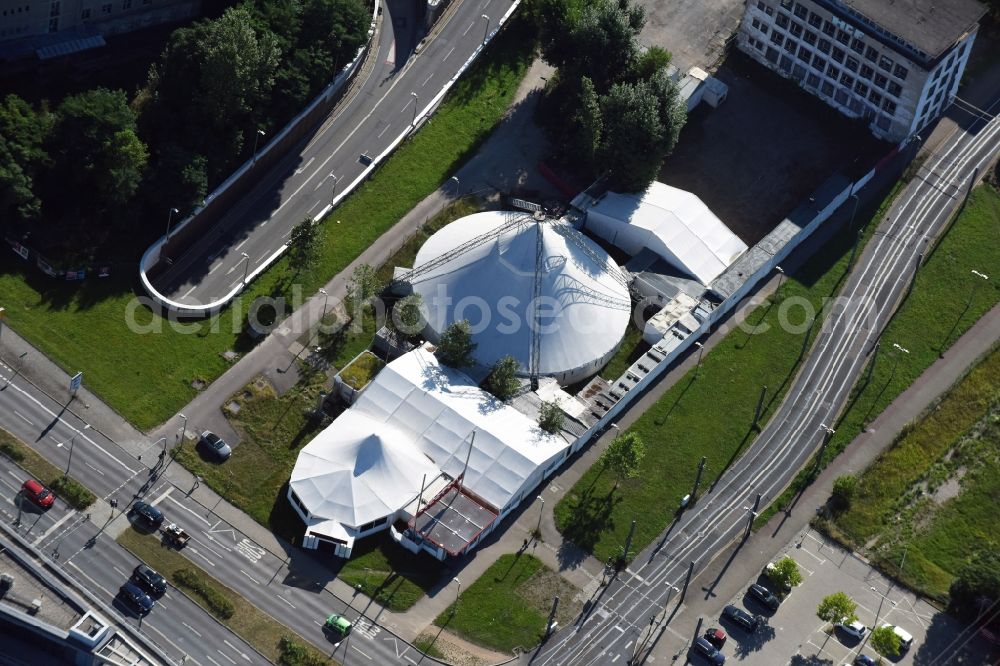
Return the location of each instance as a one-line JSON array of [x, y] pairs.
[[148, 514], [214, 446], [708, 651], [149, 580], [716, 637], [741, 618], [135, 598], [762, 595]]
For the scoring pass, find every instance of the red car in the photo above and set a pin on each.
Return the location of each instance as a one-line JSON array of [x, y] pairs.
[[37, 493]]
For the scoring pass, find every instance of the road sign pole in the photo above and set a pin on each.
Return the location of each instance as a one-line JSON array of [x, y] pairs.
[[697, 479]]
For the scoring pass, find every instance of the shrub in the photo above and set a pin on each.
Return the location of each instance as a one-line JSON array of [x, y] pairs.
[[844, 489], [216, 601], [550, 417], [70, 490], [885, 641], [294, 653], [12, 451], [502, 381]]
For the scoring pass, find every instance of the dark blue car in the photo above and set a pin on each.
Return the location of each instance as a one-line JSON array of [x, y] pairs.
[[133, 597]]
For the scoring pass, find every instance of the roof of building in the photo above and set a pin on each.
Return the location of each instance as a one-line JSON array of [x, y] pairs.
[[584, 298], [930, 25], [674, 223]]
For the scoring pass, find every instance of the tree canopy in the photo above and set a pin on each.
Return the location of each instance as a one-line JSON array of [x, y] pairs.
[[455, 347], [302, 244], [23, 131], [623, 456], [551, 417], [502, 381], [885, 641], [837, 607], [785, 573], [977, 584]]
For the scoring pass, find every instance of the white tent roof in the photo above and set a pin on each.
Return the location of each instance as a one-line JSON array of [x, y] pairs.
[[359, 470], [674, 223], [438, 408], [585, 308]]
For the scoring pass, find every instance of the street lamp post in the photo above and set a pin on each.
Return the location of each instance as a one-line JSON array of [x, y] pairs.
[[455, 180], [538, 528], [486, 29], [170, 217], [901, 350], [326, 300], [975, 285], [183, 428], [72, 440], [333, 195], [701, 350], [458, 593], [256, 137], [416, 101], [246, 267], [781, 279]]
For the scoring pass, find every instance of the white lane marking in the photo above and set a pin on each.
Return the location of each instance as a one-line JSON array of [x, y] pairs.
[[118, 570], [305, 166], [361, 653], [226, 656], [384, 129], [448, 54], [191, 629], [236, 649], [55, 526], [314, 207], [241, 244], [429, 77], [25, 418], [285, 600], [83, 573], [176, 646], [212, 660], [93, 468], [193, 513], [250, 577], [195, 551], [188, 292], [468, 29], [215, 268]]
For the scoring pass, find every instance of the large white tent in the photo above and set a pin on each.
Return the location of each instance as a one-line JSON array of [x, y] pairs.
[[674, 223], [583, 295]]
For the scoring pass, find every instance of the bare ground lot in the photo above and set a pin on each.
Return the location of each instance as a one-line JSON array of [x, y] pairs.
[[761, 153], [694, 31]]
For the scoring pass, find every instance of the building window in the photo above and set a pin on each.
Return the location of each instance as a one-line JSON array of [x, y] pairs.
[[760, 26], [861, 89], [85, 14], [846, 79], [889, 107], [819, 64], [838, 54], [895, 89], [829, 29], [777, 38], [782, 20], [772, 54], [786, 4], [791, 46], [812, 81], [843, 37], [795, 29], [815, 20], [798, 72], [827, 89], [875, 97], [857, 45], [881, 81], [786, 64], [800, 11], [832, 71], [885, 63], [856, 105], [842, 97], [852, 64], [810, 38], [53, 24], [756, 43], [871, 54], [867, 71], [900, 72], [106, 9], [824, 45], [54, 9], [805, 55]]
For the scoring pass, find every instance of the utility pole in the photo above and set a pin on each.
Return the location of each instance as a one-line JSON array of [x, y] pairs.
[[687, 580], [760, 406], [697, 478]]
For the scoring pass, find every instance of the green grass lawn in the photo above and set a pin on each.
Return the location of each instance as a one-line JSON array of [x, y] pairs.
[[710, 413], [253, 625], [509, 604], [946, 300], [897, 505], [145, 371]]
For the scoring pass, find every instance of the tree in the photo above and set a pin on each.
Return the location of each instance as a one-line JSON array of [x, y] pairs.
[[623, 456], [632, 148], [885, 641], [303, 244], [844, 488], [588, 125], [837, 607], [23, 131], [502, 381], [784, 574], [362, 288], [408, 316], [455, 347], [551, 417], [977, 584], [598, 42]]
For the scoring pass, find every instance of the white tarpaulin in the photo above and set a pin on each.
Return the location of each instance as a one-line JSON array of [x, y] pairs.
[[675, 224]]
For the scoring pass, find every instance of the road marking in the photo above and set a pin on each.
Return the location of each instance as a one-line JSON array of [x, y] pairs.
[[384, 129], [195, 551], [25, 418], [305, 166], [285, 600], [238, 651], [617, 657], [176, 646], [93, 468], [118, 570], [188, 292], [361, 653], [212, 660], [241, 244], [250, 550], [429, 77], [196, 515], [448, 54], [82, 573], [226, 656], [468, 29], [54, 527], [314, 207], [250, 577], [215, 268], [191, 629]]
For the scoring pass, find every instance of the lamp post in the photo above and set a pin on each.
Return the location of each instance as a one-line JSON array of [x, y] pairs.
[[256, 137], [781, 279], [541, 509], [486, 28], [72, 440], [901, 350], [333, 195], [170, 217], [975, 285], [246, 267], [183, 428], [416, 101], [326, 300], [455, 180], [701, 350], [458, 593]]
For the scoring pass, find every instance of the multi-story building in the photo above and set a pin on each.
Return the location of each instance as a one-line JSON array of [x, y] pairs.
[[896, 64], [55, 27]]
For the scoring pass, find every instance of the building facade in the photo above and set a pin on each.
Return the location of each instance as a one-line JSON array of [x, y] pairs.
[[895, 65]]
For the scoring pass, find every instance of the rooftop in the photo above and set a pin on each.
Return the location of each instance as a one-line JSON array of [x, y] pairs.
[[930, 25]]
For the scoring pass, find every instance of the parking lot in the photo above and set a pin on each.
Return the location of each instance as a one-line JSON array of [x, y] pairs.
[[794, 635]]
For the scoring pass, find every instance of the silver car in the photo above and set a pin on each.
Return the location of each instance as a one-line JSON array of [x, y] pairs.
[[215, 446]]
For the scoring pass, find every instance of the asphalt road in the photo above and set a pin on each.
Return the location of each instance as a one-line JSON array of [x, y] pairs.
[[636, 605], [291, 590], [391, 94]]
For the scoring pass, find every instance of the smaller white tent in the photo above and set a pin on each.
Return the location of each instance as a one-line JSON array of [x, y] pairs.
[[359, 470], [673, 223]]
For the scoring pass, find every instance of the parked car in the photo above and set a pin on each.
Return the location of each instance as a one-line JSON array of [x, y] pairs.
[[214, 446], [37, 494], [905, 639], [148, 514], [149, 580], [339, 626], [708, 651], [853, 629], [762, 595], [864, 660], [135, 598], [716, 637], [741, 617]]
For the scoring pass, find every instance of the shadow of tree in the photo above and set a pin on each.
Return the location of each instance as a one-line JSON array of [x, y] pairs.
[[590, 516]]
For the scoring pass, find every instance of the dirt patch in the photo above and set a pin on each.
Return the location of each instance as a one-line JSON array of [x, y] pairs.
[[544, 586], [950, 488], [455, 650]]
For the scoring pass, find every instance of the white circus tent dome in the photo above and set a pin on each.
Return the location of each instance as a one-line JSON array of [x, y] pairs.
[[510, 275]]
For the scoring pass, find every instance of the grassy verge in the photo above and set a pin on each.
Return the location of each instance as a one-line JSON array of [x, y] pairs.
[[709, 413], [934, 492], [508, 606], [389, 574], [253, 625], [100, 327], [946, 300], [65, 487]]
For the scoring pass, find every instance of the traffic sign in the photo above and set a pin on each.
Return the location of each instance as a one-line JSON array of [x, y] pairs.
[[75, 382]]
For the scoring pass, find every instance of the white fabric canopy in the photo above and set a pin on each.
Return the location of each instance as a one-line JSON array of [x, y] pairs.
[[359, 470], [675, 224]]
